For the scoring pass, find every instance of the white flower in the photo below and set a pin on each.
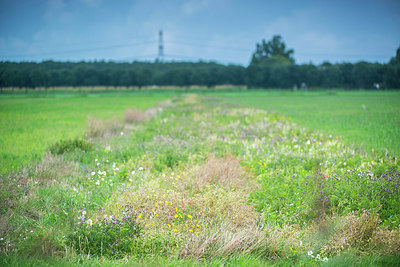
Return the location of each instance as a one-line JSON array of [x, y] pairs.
[[31, 231], [96, 160], [309, 253], [98, 163], [122, 133], [1, 239], [90, 222], [301, 242], [318, 257], [308, 142], [133, 172], [325, 259], [92, 173], [130, 180], [140, 168], [104, 173], [83, 212], [107, 160], [98, 182]]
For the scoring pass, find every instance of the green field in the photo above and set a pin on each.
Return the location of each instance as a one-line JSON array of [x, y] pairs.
[[366, 120], [200, 180], [30, 124]]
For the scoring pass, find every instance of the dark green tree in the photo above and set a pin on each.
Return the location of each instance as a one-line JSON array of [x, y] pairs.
[[273, 52]]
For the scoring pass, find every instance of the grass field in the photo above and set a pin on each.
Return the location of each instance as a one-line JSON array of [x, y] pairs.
[[196, 180], [30, 124], [367, 120]]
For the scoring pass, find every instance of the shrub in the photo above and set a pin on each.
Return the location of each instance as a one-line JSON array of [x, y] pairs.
[[110, 236], [63, 146]]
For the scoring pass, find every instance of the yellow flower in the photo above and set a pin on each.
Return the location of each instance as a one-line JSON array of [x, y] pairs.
[[175, 230], [169, 225], [176, 216], [189, 216], [186, 225], [176, 209], [197, 225], [140, 216], [190, 230]]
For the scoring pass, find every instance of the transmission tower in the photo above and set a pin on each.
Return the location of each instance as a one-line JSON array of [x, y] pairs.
[[160, 56]]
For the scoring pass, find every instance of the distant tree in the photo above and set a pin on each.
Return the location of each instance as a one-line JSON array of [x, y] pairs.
[[392, 72], [273, 52]]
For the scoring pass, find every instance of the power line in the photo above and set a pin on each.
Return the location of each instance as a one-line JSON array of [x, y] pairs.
[[85, 49], [223, 47]]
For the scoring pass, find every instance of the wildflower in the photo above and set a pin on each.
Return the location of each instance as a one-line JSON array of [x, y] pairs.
[[83, 212], [190, 230], [325, 259], [318, 257], [140, 168], [189, 216], [98, 182], [175, 230], [90, 222], [133, 172], [310, 253], [140, 216], [301, 243], [176, 215], [122, 133], [96, 160]]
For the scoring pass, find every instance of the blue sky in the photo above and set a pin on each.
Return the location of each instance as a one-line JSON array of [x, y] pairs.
[[225, 31]]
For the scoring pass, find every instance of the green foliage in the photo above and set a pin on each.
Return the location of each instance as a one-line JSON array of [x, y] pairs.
[[68, 145], [272, 53], [111, 236]]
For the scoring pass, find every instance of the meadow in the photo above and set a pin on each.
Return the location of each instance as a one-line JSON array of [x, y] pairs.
[[198, 179], [29, 125], [367, 120]]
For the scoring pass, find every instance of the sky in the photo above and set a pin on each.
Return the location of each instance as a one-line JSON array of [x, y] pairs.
[[225, 31]]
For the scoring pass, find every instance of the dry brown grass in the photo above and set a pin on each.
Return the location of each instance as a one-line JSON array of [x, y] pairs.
[[225, 171], [191, 99], [135, 116], [103, 128], [360, 232], [386, 241], [222, 241]]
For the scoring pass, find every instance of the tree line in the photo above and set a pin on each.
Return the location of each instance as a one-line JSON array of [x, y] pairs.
[[271, 66]]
